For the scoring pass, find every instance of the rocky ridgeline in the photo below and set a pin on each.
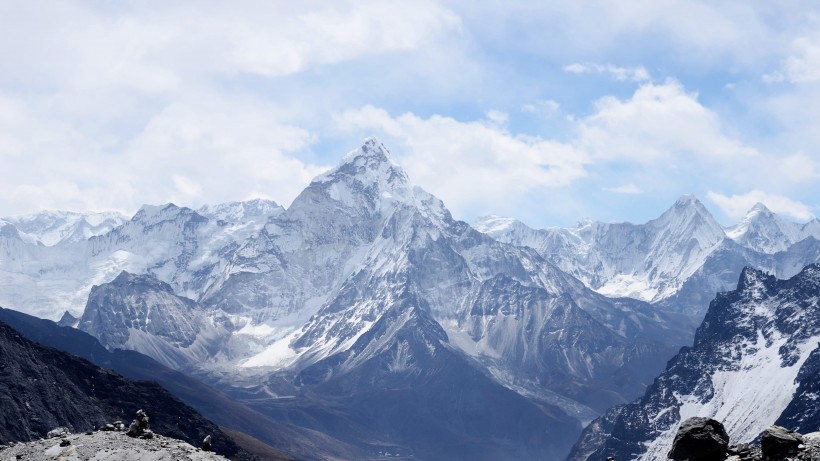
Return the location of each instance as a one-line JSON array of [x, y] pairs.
[[113, 442], [705, 439]]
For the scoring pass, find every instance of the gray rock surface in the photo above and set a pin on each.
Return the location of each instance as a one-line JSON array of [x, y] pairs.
[[106, 446], [700, 439], [778, 442]]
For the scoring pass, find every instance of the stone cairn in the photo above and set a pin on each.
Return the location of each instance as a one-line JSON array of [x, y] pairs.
[[140, 427]]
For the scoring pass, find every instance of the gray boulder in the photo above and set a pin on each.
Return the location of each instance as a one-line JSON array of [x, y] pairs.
[[778, 442], [700, 439]]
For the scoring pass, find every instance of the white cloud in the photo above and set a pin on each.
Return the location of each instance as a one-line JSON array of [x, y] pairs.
[[736, 206], [660, 123], [798, 168], [630, 188], [202, 150], [803, 63], [470, 165], [696, 34], [635, 74], [498, 117], [157, 47], [661, 137]]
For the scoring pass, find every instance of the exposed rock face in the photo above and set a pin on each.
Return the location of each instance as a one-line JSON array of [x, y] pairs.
[[141, 313], [754, 363], [700, 439]]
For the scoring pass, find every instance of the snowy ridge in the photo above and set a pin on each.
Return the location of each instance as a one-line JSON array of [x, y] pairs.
[[744, 368], [654, 261], [53, 227], [766, 232]]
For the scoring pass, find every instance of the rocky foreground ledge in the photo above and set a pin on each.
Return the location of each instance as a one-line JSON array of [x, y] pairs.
[[106, 446], [111, 443], [705, 439]]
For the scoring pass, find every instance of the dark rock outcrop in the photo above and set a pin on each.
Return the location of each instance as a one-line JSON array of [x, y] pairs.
[[700, 439], [778, 442]]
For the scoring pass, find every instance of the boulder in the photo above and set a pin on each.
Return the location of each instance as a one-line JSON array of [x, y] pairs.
[[700, 439], [206, 444], [58, 432], [778, 442]]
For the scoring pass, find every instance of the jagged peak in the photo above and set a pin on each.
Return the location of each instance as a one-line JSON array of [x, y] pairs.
[[759, 207], [688, 210], [751, 277], [157, 213], [687, 200], [129, 278], [371, 148], [688, 204], [8, 230], [494, 224], [371, 162]]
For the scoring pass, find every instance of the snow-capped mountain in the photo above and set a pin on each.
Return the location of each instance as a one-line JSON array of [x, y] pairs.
[[364, 284], [647, 262], [140, 313], [176, 244], [52, 227], [766, 232], [752, 364], [678, 261]]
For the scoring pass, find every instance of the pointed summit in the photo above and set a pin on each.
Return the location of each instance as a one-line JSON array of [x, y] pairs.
[[689, 218], [688, 204], [765, 231], [758, 208], [687, 200], [369, 164], [366, 179]]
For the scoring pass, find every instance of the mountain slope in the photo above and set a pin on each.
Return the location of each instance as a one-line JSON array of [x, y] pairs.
[[43, 388], [140, 313], [402, 380], [753, 359], [211, 403]]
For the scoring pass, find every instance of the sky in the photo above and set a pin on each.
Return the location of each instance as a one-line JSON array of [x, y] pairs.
[[550, 112]]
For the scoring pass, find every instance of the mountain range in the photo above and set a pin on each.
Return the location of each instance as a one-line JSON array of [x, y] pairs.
[[365, 312], [677, 261]]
